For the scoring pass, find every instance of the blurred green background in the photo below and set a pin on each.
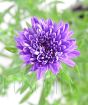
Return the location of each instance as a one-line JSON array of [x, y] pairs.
[[73, 81]]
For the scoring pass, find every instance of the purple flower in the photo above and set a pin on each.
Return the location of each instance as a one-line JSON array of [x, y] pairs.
[[45, 45]]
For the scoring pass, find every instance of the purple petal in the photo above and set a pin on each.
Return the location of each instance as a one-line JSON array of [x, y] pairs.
[[49, 21], [73, 54], [69, 34], [34, 67], [72, 45], [34, 20], [40, 72], [66, 27], [65, 31], [54, 68], [20, 47], [25, 58], [68, 61]]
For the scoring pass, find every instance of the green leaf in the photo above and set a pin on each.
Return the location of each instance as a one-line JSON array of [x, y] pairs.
[[26, 97], [55, 2], [46, 90], [11, 49], [65, 77], [28, 25]]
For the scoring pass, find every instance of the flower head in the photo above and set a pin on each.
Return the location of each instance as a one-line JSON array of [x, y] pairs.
[[46, 45]]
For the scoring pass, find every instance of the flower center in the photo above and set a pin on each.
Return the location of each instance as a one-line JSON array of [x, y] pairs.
[[47, 54]]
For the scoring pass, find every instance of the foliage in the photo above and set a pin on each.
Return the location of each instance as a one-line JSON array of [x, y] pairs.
[[74, 81]]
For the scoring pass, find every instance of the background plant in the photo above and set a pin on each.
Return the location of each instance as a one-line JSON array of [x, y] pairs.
[[73, 81]]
